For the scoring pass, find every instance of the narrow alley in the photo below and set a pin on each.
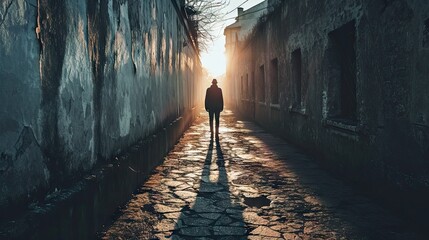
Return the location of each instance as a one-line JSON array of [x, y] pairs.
[[103, 134], [249, 185]]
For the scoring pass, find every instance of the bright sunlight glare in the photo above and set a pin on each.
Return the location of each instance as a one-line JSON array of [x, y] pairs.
[[214, 59]]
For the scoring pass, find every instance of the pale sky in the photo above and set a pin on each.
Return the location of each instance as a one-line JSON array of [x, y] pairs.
[[214, 59]]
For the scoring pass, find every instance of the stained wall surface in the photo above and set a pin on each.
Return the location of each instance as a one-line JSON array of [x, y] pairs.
[[82, 80]]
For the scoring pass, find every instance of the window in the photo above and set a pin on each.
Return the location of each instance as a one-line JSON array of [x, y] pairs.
[[342, 67], [274, 78], [296, 78], [261, 84], [426, 34]]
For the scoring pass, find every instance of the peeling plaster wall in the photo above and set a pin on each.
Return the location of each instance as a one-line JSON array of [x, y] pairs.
[[81, 81], [23, 166], [387, 150]]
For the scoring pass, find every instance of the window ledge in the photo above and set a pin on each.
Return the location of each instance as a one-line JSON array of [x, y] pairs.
[[298, 110], [275, 106], [262, 103], [338, 124]]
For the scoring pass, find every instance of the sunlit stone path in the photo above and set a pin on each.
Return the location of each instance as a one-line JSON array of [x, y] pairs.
[[249, 185]]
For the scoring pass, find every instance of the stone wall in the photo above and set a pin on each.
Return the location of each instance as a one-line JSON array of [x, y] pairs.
[[351, 88], [82, 80]]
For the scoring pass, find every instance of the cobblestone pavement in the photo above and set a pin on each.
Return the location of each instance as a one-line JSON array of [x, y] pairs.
[[249, 185]]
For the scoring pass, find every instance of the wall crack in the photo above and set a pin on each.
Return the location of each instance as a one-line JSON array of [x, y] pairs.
[[3, 18]]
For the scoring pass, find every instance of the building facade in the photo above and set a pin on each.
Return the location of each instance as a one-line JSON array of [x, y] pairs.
[[347, 81], [235, 34]]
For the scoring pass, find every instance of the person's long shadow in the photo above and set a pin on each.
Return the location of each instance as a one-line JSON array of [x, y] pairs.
[[214, 213]]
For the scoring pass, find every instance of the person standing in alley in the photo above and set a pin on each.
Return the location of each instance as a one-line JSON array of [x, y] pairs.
[[214, 105]]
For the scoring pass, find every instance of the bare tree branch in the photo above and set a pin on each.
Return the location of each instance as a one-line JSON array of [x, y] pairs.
[[204, 15]]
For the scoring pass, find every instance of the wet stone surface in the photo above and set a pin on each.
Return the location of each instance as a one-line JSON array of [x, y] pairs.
[[249, 185]]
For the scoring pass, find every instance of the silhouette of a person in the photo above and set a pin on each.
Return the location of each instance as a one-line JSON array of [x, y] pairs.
[[214, 105]]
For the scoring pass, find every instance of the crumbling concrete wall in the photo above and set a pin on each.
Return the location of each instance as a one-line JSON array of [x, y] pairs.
[[383, 142], [82, 80]]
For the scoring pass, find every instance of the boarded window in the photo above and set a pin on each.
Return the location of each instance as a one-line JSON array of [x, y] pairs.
[[262, 83], [343, 65], [296, 77], [274, 81]]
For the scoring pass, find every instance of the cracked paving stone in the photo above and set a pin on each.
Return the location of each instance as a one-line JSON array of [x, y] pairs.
[[165, 225], [262, 238], [265, 231], [223, 204], [174, 215], [206, 208], [205, 179], [291, 236], [212, 216], [248, 189], [205, 205], [221, 195], [210, 189], [222, 230], [186, 194], [224, 220], [165, 209], [254, 218], [231, 238], [196, 221], [236, 216], [173, 183], [175, 201], [233, 211], [195, 231], [278, 227], [239, 223], [295, 226], [191, 175]]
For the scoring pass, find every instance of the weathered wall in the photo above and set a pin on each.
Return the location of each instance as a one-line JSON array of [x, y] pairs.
[[385, 146], [81, 80]]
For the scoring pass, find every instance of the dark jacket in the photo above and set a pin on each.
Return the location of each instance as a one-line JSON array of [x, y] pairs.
[[214, 99]]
